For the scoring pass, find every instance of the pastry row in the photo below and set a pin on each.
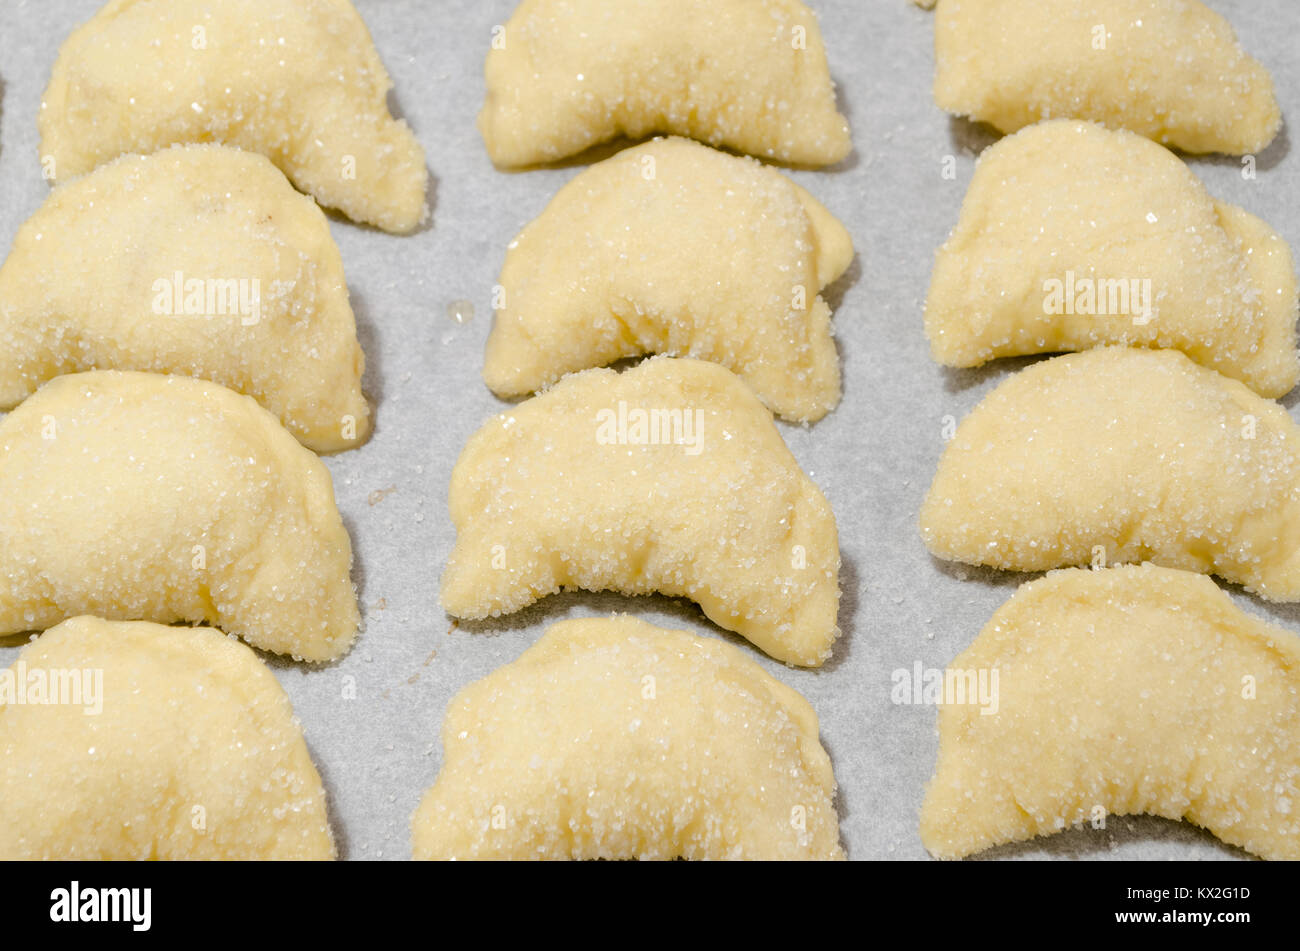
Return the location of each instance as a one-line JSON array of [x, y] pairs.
[[202, 260], [1070, 237], [1136, 689], [1121, 690], [687, 489]]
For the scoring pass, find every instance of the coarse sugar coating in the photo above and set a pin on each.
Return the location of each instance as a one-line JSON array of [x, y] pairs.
[[1171, 70], [137, 496], [1120, 455], [296, 80], [1126, 690], [673, 247], [1072, 236], [152, 742], [748, 75], [670, 477], [611, 738], [198, 260]]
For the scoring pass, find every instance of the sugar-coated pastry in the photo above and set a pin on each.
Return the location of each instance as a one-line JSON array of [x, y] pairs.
[[748, 75], [670, 477], [137, 496], [297, 80], [1171, 70], [1120, 691], [1121, 455], [1072, 236], [672, 247], [126, 740], [197, 260], [611, 738]]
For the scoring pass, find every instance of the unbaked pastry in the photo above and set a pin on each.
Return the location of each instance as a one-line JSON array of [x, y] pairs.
[[672, 247], [163, 498], [1171, 70], [670, 477], [1072, 237], [749, 75], [130, 740], [1119, 455], [611, 738], [297, 80], [1129, 690], [197, 260]]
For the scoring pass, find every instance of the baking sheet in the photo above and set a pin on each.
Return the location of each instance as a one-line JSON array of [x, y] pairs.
[[873, 457]]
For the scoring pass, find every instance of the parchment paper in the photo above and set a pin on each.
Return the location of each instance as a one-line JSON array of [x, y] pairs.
[[874, 456]]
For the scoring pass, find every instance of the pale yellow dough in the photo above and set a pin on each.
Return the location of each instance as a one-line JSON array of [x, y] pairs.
[[554, 494], [194, 754], [297, 80], [1129, 690], [1170, 70], [672, 247], [1072, 203], [91, 281], [1120, 455], [748, 75], [162, 498], [611, 738]]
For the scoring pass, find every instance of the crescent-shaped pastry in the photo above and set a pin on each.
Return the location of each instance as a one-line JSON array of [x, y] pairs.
[[136, 496], [1073, 237], [670, 477], [611, 738], [672, 247], [197, 260], [1120, 455], [1127, 690], [1171, 70], [748, 75], [125, 740], [297, 80]]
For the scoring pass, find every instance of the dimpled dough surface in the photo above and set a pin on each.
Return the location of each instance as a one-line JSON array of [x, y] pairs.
[[196, 753], [674, 247], [612, 738], [573, 73], [1069, 196], [297, 80], [141, 496], [1129, 690], [1171, 70], [78, 290], [1139, 452], [726, 519]]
